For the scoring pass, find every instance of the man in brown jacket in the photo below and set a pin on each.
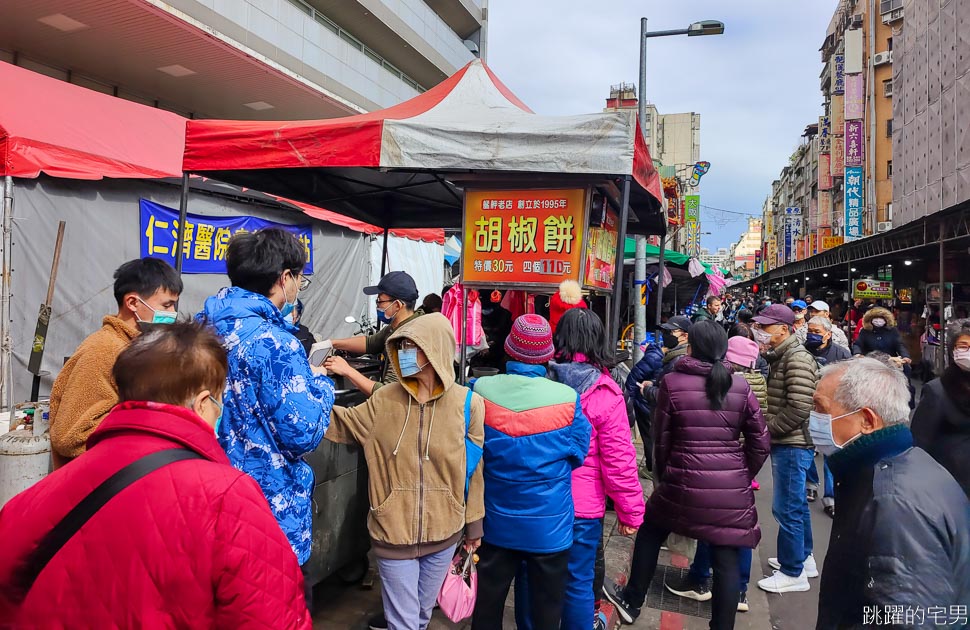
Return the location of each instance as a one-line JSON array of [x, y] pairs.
[[792, 377], [146, 290]]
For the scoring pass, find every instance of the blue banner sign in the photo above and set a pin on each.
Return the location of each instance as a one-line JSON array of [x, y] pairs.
[[206, 239], [854, 202]]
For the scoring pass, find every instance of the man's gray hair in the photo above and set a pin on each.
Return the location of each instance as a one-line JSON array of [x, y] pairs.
[[824, 322], [865, 382]]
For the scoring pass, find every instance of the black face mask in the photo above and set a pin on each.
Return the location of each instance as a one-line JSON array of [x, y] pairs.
[[670, 341]]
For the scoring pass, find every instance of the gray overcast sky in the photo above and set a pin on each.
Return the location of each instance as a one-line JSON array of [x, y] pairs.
[[756, 86]]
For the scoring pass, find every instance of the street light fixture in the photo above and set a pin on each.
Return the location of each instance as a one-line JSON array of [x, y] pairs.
[[704, 27]]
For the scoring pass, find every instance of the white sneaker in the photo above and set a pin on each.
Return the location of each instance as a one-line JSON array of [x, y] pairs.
[[781, 583], [809, 568]]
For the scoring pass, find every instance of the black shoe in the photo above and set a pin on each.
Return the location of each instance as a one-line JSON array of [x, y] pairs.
[[685, 587], [628, 613], [377, 622], [812, 495]]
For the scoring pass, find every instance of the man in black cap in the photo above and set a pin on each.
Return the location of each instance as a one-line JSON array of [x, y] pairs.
[[675, 345], [397, 295]]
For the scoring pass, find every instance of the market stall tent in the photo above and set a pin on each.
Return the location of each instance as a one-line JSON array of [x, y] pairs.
[[396, 167]]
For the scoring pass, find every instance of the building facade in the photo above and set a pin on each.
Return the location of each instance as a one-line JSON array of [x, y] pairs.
[[247, 59], [744, 254]]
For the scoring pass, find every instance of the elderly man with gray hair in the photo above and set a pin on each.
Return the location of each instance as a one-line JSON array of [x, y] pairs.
[[901, 537]]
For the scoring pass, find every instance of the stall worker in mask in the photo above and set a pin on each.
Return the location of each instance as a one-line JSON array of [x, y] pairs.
[[303, 334], [397, 295], [147, 291]]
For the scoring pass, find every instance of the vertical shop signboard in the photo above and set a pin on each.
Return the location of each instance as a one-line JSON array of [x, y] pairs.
[[824, 171], [601, 253], [524, 237], [854, 142], [837, 166], [854, 198], [838, 74], [855, 97]]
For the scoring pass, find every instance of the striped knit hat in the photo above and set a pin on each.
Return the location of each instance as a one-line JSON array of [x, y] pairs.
[[530, 340]]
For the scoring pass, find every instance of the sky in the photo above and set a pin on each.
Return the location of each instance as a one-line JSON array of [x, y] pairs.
[[756, 86]]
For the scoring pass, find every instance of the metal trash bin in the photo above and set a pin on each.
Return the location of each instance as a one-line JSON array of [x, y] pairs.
[[340, 503]]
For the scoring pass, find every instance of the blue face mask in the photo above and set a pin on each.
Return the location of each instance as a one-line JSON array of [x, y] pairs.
[[813, 341], [382, 316], [288, 306], [407, 359], [219, 419]]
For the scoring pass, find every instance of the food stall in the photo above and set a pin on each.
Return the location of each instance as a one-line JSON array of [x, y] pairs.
[[434, 161]]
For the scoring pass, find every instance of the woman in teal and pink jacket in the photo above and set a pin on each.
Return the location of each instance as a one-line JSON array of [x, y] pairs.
[[610, 468]]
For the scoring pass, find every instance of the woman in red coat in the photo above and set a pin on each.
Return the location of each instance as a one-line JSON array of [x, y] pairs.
[[191, 544]]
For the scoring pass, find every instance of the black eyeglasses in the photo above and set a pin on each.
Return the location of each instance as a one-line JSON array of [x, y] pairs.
[[304, 283], [387, 301]]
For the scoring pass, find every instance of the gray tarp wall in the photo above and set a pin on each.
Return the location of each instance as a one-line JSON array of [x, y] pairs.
[[103, 232]]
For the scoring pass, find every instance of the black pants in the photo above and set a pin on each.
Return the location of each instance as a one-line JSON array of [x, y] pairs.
[[643, 427], [724, 562], [307, 586], [496, 570]]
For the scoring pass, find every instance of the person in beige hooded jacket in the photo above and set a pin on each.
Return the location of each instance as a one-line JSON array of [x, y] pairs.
[[413, 436]]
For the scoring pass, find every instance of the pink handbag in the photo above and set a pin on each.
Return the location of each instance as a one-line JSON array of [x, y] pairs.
[[457, 595]]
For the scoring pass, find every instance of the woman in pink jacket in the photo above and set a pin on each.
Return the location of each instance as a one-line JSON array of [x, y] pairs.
[[610, 469]]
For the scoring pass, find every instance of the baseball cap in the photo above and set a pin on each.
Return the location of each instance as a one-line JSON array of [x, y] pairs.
[[397, 284], [677, 322], [776, 314], [819, 305], [799, 304]]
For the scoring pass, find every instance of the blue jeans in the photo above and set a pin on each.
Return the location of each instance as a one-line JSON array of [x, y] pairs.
[[829, 481], [789, 468], [410, 588], [578, 598], [700, 568]]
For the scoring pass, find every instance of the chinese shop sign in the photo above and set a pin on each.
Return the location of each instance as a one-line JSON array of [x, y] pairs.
[[872, 289], [853, 202], [853, 143], [206, 239], [831, 242], [601, 253], [523, 236]]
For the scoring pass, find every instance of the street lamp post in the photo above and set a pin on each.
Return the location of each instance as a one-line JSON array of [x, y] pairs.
[[706, 27]]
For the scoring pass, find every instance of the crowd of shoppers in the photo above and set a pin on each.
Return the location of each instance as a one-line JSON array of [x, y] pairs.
[[180, 483]]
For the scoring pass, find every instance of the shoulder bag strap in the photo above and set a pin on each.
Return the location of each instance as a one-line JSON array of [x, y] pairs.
[[30, 568]]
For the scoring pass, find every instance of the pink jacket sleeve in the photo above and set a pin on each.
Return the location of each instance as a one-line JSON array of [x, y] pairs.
[[257, 577], [618, 461]]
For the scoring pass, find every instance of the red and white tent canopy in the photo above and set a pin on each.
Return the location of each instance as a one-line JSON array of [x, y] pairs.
[[391, 167]]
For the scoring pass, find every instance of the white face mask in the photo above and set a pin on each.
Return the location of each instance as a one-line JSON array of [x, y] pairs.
[[763, 338], [820, 428], [878, 322], [961, 357]]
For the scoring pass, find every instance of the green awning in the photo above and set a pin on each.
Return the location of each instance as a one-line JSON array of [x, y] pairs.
[[672, 257]]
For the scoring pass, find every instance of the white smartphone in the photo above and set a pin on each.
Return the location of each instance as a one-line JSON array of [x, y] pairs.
[[320, 351]]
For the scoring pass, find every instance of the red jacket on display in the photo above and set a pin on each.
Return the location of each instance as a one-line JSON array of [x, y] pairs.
[[192, 544]]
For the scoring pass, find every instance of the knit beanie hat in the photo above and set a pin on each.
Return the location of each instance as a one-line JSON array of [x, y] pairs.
[[570, 295], [530, 340], [742, 351]]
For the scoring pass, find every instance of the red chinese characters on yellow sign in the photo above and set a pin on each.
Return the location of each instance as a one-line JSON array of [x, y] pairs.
[[523, 236]]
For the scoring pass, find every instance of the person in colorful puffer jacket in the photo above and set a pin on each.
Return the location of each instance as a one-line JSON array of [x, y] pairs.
[[277, 405], [535, 436], [582, 361]]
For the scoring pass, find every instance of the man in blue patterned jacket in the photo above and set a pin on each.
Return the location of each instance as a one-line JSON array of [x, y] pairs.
[[276, 406]]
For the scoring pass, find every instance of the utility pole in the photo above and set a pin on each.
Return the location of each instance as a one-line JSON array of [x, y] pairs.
[[640, 256]]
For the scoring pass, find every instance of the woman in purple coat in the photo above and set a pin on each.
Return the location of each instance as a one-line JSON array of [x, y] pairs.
[[703, 470]]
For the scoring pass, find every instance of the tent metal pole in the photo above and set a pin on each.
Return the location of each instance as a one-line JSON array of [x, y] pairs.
[[660, 280], [183, 212], [613, 329], [943, 340], [6, 351], [384, 254]]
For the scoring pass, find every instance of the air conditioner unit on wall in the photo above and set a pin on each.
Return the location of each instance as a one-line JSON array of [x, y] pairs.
[[892, 16], [856, 21], [882, 58], [884, 226]]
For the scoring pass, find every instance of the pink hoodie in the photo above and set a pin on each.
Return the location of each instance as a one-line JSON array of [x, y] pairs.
[[610, 467]]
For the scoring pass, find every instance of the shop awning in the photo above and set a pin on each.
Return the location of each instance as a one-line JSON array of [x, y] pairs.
[[671, 257], [64, 130], [393, 167]]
